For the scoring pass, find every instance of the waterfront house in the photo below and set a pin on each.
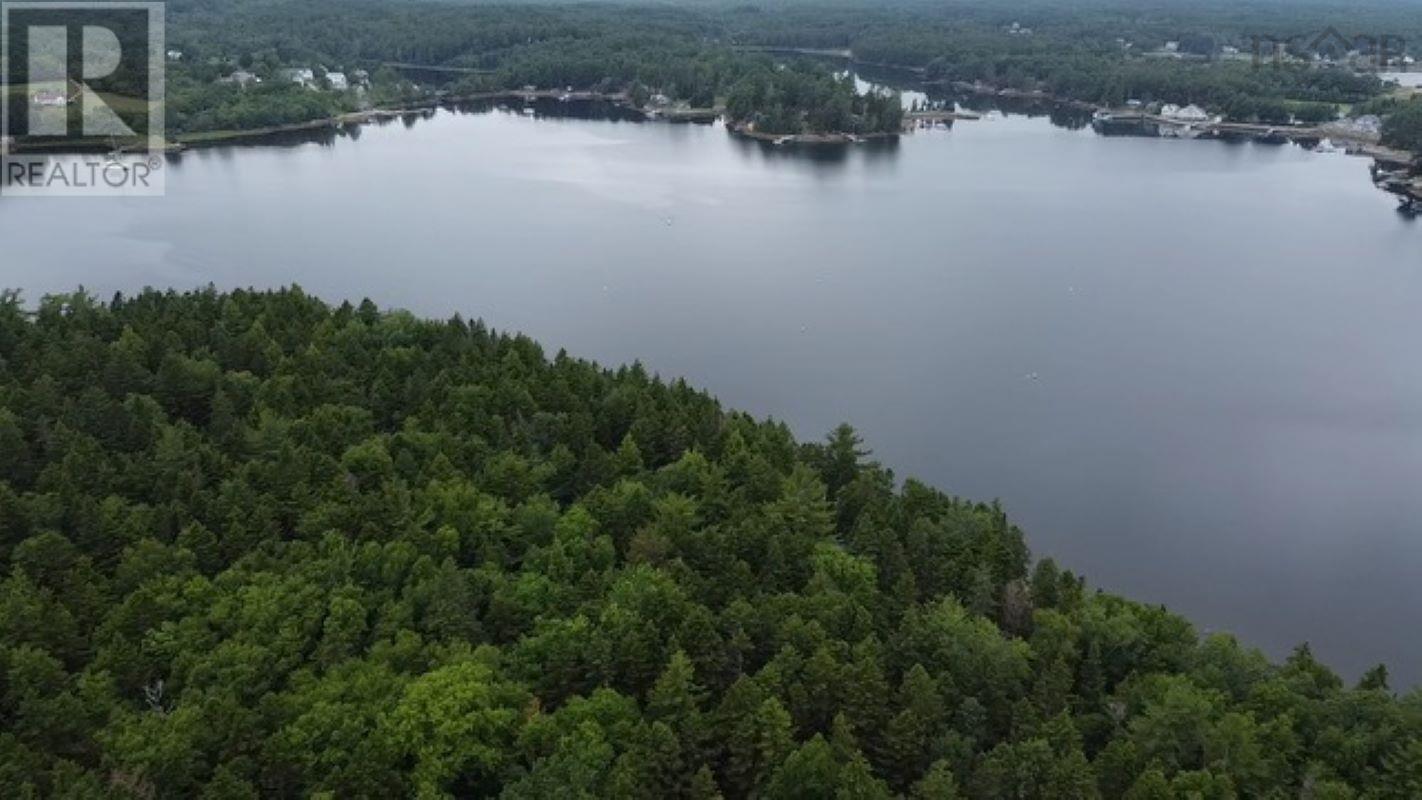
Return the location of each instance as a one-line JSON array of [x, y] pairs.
[[338, 81], [1367, 128], [1190, 113], [304, 76], [242, 78]]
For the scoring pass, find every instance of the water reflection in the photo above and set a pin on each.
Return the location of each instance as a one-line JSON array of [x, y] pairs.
[[870, 152]]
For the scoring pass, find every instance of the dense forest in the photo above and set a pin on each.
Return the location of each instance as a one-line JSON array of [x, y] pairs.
[[1403, 128], [256, 545], [1104, 52], [803, 98]]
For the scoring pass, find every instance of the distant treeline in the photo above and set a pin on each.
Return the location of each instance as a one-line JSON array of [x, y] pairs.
[[1106, 52]]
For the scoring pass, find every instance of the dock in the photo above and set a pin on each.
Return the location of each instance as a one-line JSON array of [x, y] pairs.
[[939, 116], [1255, 130]]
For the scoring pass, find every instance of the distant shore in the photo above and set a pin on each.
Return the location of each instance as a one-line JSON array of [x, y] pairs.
[[1409, 189]]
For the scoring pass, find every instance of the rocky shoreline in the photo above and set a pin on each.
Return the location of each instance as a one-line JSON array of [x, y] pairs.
[[748, 132]]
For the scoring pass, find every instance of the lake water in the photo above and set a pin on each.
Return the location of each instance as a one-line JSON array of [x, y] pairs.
[[1189, 369]]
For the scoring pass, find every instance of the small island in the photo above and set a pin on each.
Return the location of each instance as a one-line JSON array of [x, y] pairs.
[[800, 102]]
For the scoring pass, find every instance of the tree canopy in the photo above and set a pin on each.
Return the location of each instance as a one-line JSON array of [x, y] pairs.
[[1097, 52], [257, 545]]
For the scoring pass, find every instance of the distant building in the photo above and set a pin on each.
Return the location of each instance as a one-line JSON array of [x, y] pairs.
[[49, 99], [1190, 113], [1368, 126], [305, 77], [175, 55], [338, 81], [1171, 47], [360, 77], [241, 77]]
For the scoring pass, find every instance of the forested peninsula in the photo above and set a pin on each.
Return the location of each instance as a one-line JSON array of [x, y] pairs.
[[256, 545]]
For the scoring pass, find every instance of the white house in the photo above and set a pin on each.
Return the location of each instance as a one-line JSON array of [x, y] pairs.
[[304, 76], [1194, 113], [1190, 113], [338, 81], [241, 77]]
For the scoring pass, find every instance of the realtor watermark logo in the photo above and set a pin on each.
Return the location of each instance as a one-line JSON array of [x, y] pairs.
[[83, 91]]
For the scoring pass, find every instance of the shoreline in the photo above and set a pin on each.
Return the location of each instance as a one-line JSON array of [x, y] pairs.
[[1398, 172], [740, 130], [1401, 168], [203, 139]]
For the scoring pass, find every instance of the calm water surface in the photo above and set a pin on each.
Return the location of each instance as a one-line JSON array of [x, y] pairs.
[[1189, 369]]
